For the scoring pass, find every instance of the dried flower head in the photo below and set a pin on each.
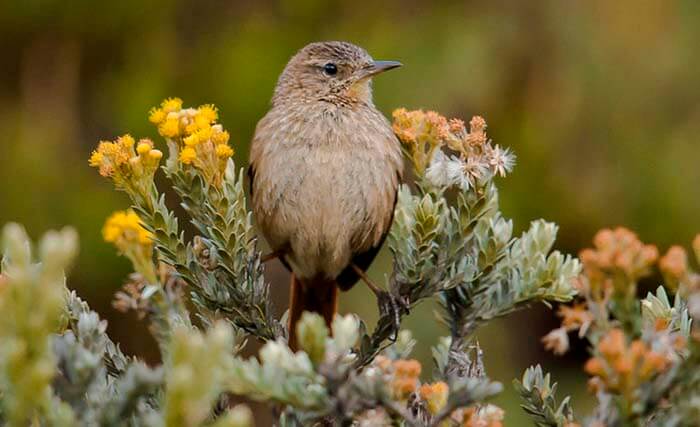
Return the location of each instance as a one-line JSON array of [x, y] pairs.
[[130, 298], [135, 295], [446, 171], [576, 317], [557, 341]]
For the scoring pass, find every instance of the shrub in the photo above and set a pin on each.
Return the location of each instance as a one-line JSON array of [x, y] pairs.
[[449, 241]]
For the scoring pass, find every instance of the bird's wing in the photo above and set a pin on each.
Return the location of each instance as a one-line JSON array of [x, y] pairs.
[[348, 277], [251, 178]]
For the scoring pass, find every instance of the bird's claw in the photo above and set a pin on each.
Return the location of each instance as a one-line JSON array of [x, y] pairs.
[[393, 306]]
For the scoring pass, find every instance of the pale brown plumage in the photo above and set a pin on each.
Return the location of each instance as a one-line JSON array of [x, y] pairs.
[[325, 168]]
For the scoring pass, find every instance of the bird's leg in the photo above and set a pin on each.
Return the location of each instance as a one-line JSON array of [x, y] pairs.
[[365, 278], [388, 303], [269, 257]]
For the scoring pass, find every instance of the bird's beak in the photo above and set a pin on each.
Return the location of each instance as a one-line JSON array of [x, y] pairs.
[[377, 67]]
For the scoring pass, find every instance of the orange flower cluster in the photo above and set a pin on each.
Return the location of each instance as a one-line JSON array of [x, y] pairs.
[[620, 367], [621, 364], [435, 396], [412, 126], [675, 268], [424, 133], [619, 249], [405, 375], [618, 259], [405, 382]]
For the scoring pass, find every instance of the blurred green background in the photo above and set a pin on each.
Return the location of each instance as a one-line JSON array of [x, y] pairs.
[[599, 99]]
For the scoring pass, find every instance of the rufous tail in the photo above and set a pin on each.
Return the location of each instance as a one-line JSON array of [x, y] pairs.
[[316, 296]]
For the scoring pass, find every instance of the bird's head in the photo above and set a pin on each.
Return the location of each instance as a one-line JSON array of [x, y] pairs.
[[336, 72]]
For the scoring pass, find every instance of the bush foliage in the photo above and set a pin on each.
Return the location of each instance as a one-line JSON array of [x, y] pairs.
[[204, 297]]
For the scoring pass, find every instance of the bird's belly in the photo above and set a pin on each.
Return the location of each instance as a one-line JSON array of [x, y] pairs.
[[326, 206]]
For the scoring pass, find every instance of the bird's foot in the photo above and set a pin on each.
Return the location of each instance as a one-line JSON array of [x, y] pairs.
[[389, 304], [394, 307]]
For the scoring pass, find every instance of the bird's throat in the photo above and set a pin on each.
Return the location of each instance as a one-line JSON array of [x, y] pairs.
[[361, 91]]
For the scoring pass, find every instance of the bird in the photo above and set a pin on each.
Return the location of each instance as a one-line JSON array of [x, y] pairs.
[[325, 168]]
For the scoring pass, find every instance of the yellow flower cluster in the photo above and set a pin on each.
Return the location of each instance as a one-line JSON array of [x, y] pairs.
[[111, 157], [424, 133], [201, 142], [124, 230], [129, 164], [435, 396], [622, 368]]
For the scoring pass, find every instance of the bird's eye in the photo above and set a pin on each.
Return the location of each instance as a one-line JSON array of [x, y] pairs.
[[330, 69]]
